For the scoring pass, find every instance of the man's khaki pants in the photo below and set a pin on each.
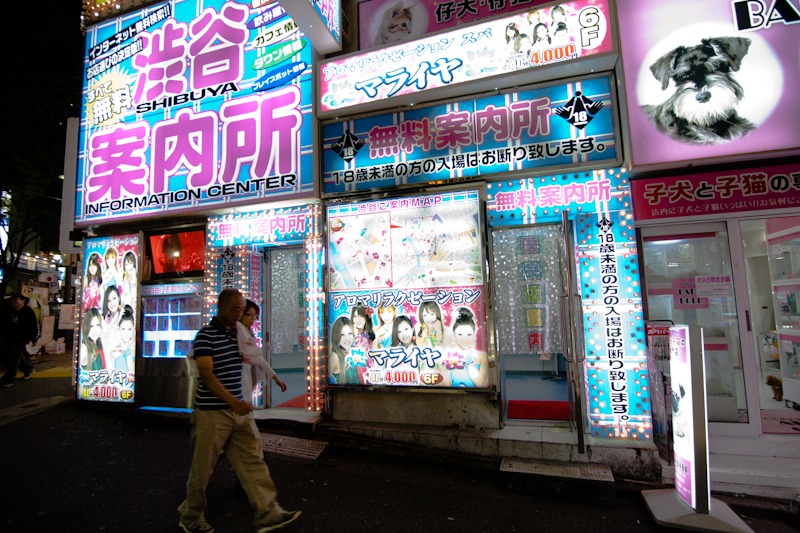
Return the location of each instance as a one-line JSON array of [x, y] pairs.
[[215, 431]]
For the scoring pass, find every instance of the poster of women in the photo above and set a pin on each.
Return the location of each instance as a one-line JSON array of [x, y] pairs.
[[109, 305]]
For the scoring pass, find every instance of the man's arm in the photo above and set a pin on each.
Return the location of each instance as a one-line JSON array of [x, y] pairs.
[[205, 366]]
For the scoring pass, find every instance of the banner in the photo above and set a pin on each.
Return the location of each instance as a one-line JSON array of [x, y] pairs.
[[110, 301], [561, 126], [406, 304], [500, 46], [190, 105]]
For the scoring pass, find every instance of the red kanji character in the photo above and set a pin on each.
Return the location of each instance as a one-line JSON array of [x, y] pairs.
[[383, 141], [755, 183], [681, 190], [452, 130], [491, 119], [415, 133]]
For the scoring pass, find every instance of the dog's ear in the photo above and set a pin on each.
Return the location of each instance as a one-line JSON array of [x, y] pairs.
[[683, 392], [733, 49], [664, 67]]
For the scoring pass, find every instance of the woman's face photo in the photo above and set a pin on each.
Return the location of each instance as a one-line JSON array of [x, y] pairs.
[[92, 270], [387, 315], [464, 335], [111, 261], [541, 33], [429, 317], [346, 340], [95, 329], [113, 302], [405, 333], [126, 331], [129, 266], [359, 321]]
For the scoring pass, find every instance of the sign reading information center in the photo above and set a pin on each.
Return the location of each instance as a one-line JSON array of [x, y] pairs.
[[194, 104]]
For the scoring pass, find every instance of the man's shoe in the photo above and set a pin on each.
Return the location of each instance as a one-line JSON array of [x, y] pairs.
[[286, 518], [27, 375], [6, 385], [200, 526]]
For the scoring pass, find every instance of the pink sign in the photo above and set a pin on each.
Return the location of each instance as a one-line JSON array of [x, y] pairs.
[[500, 46], [717, 192], [684, 295], [710, 79], [683, 478], [386, 22]]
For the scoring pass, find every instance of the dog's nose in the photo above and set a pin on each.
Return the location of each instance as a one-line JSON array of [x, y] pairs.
[[703, 97]]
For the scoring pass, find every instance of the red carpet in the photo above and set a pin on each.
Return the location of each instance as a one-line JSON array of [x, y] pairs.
[[538, 410], [299, 401]]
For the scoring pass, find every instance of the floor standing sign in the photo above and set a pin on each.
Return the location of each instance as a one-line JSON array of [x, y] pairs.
[[690, 505]]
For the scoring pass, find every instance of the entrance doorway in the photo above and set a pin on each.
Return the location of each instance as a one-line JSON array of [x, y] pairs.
[[284, 319], [535, 329]]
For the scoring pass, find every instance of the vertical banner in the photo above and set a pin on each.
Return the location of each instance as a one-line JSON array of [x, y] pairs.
[[106, 370], [689, 423], [406, 302]]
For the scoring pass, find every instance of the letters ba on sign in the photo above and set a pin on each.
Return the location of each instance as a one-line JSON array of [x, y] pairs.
[[463, 55], [223, 117], [562, 125]]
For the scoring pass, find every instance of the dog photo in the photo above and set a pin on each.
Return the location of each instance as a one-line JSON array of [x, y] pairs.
[[703, 109], [680, 411]]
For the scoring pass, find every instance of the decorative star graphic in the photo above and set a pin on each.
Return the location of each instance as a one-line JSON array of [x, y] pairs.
[[605, 225]]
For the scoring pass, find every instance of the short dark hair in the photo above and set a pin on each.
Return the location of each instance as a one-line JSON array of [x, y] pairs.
[[17, 295], [248, 304]]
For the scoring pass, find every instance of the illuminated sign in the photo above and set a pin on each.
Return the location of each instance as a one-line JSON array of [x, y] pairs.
[[323, 21], [386, 22], [717, 192], [689, 423], [107, 329], [480, 51], [562, 125], [275, 225], [679, 108], [186, 107], [406, 302]]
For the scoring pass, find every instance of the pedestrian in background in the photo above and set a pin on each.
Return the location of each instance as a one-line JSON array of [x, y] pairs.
[[19, 327], [221, 422]]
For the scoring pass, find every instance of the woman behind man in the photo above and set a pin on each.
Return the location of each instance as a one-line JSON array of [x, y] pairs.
[[254, 367]]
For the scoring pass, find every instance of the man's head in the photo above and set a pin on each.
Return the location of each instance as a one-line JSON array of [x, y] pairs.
[[230, 307], [17, 301]]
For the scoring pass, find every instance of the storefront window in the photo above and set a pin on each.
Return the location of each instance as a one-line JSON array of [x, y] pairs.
[[689, 281], [773, 246]]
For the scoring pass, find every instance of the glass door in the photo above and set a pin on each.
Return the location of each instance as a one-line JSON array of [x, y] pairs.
[[285, 317], [533, 311], [689, 280]]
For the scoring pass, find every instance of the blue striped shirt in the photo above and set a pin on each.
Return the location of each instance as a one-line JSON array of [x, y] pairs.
[[219, 343]]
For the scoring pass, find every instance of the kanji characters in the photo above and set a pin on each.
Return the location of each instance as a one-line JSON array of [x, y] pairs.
[[118, 162], [162, 63], [217, 45]]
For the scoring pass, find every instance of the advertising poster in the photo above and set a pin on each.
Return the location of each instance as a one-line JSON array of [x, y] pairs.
[[406, 305], [560, 125], [107, 351], [192, 104], [710, 79], [569, 31], [386, 22]]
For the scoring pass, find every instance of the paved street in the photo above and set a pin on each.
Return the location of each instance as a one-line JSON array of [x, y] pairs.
[[80, 467]]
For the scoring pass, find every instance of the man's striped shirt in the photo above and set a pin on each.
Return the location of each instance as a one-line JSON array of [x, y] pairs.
[[219, 343]]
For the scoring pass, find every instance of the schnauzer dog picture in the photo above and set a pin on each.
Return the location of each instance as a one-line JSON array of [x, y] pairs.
[[703, 109]]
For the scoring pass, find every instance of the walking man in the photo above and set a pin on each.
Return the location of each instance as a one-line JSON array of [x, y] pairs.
[[19, 327], [220, 422]]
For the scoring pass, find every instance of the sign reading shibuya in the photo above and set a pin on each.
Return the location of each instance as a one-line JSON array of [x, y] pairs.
[[463, 55], [562, 125], [190, 105]]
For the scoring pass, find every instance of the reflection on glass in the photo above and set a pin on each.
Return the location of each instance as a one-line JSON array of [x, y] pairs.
[[689, 281]]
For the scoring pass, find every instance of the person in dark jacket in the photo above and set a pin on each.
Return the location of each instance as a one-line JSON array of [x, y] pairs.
[[19, 327]]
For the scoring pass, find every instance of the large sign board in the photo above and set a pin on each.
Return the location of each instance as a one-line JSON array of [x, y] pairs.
[[710, 79], [480, 51], [109, 311], [323, 18], [406, 302], [689, 421], [558, 126], [190, 105]]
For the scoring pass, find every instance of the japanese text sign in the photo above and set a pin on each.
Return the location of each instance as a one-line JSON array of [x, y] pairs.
[[717, 193], [689, 421], [386, 22], [475, 52], [562, 125], [323, 20], [289, 224], [712, 79], [526, 201], [406, 302], [109, 305], [189, 105], [616, 360]]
